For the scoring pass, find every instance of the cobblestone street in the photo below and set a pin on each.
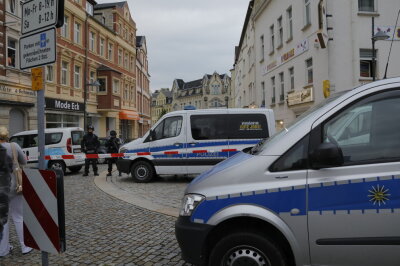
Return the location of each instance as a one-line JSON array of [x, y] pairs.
[[103, 230]]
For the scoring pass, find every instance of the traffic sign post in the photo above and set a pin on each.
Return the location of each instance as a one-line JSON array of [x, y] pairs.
[[40, 18]]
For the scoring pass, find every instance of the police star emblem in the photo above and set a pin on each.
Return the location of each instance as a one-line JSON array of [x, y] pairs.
[[378, 195]]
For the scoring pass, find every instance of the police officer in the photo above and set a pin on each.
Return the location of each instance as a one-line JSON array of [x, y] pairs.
[[112, 145], [5, 182], [90, 144]]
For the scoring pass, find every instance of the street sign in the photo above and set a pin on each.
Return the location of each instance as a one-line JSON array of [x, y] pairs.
[[38, 49], [38, 14], [37, 78]]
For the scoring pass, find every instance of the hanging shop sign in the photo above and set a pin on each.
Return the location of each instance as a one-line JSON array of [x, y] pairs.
[[302, 96]]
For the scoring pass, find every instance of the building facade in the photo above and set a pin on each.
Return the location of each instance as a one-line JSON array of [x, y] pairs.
[[212, 91], [161, 104], [143, 85], [305, 50], [17, 102]]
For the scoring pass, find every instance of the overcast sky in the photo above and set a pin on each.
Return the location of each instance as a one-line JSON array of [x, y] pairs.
[[188, 38]]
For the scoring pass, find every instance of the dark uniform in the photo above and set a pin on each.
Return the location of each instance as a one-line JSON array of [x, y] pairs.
[[112, 145], [90, 145], [5, 182]]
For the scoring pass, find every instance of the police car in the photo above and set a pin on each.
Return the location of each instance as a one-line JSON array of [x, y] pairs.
[[324, 191]]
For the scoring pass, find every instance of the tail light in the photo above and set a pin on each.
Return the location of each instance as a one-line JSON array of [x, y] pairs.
[[69, 145]]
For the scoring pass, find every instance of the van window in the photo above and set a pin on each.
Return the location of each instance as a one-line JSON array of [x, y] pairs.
[[168, 128], [368, 131], [205, 127], [247, 126], [19, 140], [77, 137], [294, 159], [53, 138]]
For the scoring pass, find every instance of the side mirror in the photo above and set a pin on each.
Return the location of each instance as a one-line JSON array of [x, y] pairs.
[[327, 155]]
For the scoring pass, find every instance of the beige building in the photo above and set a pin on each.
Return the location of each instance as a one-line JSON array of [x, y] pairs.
[[212, 91], [161, 104], [17, 102]]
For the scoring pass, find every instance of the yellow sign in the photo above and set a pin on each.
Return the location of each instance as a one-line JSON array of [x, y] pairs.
[[326, 88], [37, 79]]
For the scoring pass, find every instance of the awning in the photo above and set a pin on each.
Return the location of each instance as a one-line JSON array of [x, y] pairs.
[[128, 115]]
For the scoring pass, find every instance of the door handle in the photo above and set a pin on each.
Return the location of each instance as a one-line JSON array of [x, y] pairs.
[[281, 177], [193, 143], [177, 144]]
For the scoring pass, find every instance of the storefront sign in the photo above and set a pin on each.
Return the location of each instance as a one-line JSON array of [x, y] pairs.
[[301, 96], [64, 105], [17, 91]]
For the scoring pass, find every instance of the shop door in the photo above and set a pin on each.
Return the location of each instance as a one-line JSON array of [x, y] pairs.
[[17, 121]]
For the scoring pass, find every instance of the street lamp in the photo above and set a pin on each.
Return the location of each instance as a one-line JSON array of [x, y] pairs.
[[96, 83], [379, 36]]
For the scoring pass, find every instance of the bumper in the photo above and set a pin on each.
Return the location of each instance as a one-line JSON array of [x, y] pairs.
[[192, 239], [124, 165]]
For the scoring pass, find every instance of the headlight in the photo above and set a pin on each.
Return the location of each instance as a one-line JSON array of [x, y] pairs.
[[189, 203]]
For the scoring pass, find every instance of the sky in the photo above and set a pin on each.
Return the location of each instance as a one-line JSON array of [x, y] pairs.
[[188, 38]]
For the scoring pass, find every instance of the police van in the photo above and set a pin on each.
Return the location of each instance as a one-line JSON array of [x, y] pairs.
[[324, 191], [58, 141], [189, 142]]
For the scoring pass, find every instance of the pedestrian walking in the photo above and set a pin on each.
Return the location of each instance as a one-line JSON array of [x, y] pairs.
[[5, 182], [15, 199], [112, 145], [90, 145]]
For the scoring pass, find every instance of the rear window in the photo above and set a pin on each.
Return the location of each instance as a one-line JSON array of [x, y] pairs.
[[53, 138], [31, 141], [77, 137], [229, 126]]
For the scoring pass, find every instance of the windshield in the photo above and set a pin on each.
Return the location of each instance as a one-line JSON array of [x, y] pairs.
[[277, 136]]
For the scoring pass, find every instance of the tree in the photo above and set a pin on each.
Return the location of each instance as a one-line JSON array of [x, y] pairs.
[[163, 112]]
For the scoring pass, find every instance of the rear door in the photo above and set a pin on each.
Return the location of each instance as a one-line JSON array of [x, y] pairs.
[[207, 141], [354, 215]]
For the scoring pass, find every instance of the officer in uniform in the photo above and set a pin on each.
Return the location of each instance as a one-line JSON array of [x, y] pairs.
[[5, 182], [90, 144], [112, 145]]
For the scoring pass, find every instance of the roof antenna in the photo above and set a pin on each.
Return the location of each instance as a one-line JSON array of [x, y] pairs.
[[391, 44]]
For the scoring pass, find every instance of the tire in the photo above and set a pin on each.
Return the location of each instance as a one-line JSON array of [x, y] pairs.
[[246, 248], [142, 172], [75, 169], [57, 165]]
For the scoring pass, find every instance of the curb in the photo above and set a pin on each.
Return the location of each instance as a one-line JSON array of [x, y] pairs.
[[114, 191]]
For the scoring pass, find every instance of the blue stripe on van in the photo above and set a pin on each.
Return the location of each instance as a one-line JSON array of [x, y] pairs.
[[348, 196]]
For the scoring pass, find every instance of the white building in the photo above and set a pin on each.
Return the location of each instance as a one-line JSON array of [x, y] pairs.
[[300, 45]]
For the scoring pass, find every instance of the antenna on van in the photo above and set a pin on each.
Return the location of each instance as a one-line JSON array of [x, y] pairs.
[[391, 44]]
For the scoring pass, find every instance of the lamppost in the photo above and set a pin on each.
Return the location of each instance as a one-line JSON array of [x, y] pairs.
[[226, 101], [379, 36], [96, 83]]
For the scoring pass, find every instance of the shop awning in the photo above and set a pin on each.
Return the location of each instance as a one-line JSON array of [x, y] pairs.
[[128, 115]]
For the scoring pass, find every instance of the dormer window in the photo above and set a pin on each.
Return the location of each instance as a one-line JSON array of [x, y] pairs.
[[89, 8]]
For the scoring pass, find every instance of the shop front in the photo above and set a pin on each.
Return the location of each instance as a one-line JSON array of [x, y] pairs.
[[63, 113], [128, 124]]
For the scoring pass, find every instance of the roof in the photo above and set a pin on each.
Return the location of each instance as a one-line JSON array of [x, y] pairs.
[[193, 84], [246, 22], [109, 5]]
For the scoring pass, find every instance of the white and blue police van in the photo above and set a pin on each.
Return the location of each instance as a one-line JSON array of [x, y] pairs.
[[323, 191], [189, 142], [58, 141]]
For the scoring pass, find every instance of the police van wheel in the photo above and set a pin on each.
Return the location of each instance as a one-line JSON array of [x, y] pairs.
[[57, 165], [246, 248], [142, 172]]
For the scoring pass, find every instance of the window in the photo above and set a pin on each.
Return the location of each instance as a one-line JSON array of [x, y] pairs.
[[11, 52], [89, 8], [92, 79], [282, 80], [102, 46], [119, 57], [64, 73], [77, 75], [92, 41], [50, 73], [295, 158], [116, 86], [102, 87], [65, 27], [168, 128], [280, 30], [289, 23], [367, 131], [126, 59], [273, 89], [77, 33], [366, 65], [132, 63], [110, 52], [366, 5], [63, 120], [309, 71], [209, 127], [126, 92], [307, 12], [263, 94], [272, 43], [12, 6], [291, 75], [262, 47]]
